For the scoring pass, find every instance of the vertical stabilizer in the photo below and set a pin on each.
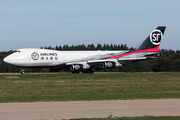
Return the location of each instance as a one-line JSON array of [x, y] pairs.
[[153, 40]]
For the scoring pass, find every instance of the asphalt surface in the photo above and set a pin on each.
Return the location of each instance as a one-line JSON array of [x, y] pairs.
[[88, 109]]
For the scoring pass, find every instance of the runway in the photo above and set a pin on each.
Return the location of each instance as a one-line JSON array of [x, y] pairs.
[[88, 109]]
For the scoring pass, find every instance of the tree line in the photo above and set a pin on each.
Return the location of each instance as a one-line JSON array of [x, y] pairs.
[[168, 62], [89, 47]]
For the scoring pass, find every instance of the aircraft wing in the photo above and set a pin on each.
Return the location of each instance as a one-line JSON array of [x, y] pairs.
[[122, 60], [90, 62]]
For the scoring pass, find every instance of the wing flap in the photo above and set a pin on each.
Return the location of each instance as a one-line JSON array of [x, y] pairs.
[[101, 61], [128, 59]]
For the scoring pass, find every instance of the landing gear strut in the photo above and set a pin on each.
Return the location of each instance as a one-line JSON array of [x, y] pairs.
[[22, 71]]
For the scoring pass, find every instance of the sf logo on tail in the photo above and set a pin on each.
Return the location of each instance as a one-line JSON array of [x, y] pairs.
[[156, 37]]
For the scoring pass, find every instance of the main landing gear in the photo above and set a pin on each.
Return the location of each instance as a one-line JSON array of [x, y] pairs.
[[75, 71], [22, 71], [84, 71], [88, 71]]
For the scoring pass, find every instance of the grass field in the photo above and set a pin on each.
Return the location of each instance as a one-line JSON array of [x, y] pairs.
[[81, 87]]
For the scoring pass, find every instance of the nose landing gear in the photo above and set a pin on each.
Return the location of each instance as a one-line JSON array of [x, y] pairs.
[[22, 71]]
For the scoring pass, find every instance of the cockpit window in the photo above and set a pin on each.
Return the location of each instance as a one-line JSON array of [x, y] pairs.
[[16, 51]]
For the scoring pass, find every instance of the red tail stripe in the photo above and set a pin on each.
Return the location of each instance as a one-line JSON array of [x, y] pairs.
[[140, 51]]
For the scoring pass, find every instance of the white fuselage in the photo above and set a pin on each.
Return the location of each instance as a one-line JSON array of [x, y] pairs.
[[50, 58]]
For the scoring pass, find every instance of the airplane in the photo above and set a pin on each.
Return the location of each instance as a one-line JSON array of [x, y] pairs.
[[86, 61]]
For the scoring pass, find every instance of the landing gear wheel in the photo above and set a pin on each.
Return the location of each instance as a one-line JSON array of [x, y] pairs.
[[22, 71], [88, 71], [91, 71], [75, 72], [84, 71]]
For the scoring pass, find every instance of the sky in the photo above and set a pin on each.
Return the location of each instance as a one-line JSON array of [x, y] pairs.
[[40, 23]]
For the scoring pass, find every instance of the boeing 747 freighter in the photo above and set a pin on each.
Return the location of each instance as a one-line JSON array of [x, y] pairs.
[[86, 61]]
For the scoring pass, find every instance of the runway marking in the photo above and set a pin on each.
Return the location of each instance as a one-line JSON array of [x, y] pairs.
[[97, 108]]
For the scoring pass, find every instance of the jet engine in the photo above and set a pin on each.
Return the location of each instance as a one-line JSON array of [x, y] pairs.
[[107, 64], [76, 67], [110, 64]]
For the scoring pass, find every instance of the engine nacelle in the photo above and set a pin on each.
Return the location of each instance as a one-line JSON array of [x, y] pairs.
[[76, 67], [109, 64]]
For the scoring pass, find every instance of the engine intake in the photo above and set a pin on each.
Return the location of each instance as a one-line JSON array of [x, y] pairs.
[[110, 64], [76, 67]]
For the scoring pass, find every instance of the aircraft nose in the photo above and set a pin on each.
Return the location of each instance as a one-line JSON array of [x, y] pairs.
[[9, 60], [6, 60]]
